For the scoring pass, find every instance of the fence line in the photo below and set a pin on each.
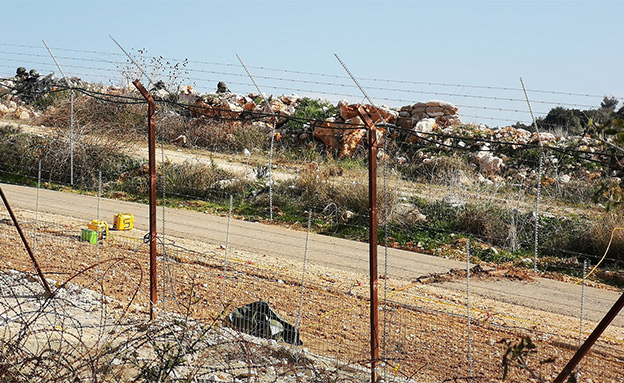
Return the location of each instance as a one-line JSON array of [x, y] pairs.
[[433, 205], [334, 320]]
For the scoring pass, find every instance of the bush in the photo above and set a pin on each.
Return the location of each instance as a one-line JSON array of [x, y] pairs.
[[19, 152], [122, 121], [52, 98], [20, 155], [224, 136], [442, 170], [488, 222], [195, 180], [314, 188], [307, 109]]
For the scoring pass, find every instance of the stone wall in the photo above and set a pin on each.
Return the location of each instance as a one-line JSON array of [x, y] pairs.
[[443, 113]]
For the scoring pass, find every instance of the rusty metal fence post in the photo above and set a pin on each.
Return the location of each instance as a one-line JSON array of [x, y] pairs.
[[584, 349], [28, 249], [152, 193], [372, 238]]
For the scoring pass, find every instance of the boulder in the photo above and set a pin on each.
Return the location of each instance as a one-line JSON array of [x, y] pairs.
[[328, 134], [342, 137], [229, 110], [426, 125], [160, 94], [346, 111], [186, 94], [201, 108], [419, 106], [22, 114], [405, 122], [293, 99], [434, 109], [435, 114], [280, 109], [545, 136], [377, 114], [186, 89], [351, 138], [180, 140], [489, 163], [402, 211], [238, 100], [249, 106]]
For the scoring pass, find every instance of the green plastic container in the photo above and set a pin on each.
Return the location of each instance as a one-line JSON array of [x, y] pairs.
[[89, 236]]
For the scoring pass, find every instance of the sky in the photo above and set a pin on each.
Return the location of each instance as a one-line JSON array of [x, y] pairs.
[[401, 52]]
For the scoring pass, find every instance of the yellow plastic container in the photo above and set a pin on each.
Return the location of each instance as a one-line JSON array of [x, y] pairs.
[[100, 227], [123, 221]]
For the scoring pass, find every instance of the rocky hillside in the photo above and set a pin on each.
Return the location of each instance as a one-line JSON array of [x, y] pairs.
[[422, 132]]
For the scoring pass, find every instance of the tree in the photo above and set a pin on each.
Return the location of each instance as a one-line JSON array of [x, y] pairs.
[[609, 103], [571, 119]]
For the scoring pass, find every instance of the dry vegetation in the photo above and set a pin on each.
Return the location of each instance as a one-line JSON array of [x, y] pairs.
[[421, 342]]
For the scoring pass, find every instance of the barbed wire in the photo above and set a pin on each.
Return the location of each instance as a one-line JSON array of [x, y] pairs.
[[283, 70], [303, 81], [122, 99], [129, 100]]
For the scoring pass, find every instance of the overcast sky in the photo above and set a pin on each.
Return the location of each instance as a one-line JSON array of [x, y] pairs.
[[401, 50]]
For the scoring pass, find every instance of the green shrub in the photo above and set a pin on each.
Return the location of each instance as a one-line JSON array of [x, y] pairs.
[[309, 109]]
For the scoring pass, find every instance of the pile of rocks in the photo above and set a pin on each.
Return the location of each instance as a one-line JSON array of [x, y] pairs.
[[442, 113], [491, 156], [79, 319], [24, 88], [342, 134], [16, 111], [236, 107]]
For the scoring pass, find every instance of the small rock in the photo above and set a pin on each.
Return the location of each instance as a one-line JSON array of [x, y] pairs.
[[426, 125], [24, 115]]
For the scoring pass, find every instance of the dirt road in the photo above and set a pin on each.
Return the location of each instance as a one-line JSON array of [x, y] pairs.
[[542, 294]]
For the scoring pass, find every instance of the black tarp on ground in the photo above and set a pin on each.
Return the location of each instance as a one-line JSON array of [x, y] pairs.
[[259, 319]]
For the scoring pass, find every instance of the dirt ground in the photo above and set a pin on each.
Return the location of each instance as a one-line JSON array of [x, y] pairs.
[[424, 329]]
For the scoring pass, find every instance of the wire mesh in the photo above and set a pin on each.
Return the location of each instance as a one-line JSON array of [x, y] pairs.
[[439, 198]]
